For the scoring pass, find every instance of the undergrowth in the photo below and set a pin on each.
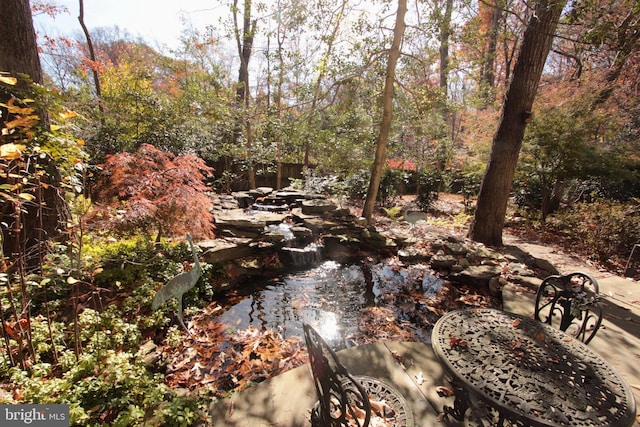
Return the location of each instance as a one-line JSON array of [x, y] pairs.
[[603, 231], [92, 361]]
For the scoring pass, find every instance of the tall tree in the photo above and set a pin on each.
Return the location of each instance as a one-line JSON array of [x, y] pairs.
[[18, 48], [387, 112], [443, 36], [244, 42], [488, 220], [92, 57], [331, 37], [490, 14], [26, 226]]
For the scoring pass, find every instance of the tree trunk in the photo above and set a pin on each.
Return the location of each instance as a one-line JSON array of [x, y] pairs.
[[496, 185], [92, 57], [387, 112], [245, 46], [18, 49], [445, 34], [490, 15], [28, 226], [317, 90]]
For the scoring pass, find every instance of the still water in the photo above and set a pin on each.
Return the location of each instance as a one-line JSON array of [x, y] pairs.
[[329, 296]]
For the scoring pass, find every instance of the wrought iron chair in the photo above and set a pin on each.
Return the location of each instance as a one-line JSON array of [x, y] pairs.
[[346, 400], [573, 300]]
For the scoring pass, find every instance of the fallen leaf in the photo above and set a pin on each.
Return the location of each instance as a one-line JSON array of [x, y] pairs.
[[445, 391], [457, 342]]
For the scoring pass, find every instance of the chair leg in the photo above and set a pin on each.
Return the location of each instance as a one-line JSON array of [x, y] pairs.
[[461, 403]]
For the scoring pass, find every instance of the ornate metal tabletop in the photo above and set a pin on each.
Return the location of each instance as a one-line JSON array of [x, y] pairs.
[[530, 372]]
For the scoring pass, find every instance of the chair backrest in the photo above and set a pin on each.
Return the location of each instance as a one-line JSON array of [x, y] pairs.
[[342, 400], [571, 303]]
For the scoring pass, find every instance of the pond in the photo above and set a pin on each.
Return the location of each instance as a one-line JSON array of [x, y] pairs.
[[330, 296]]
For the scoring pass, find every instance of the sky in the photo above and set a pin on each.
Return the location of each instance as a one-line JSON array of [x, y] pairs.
[[155, 21]]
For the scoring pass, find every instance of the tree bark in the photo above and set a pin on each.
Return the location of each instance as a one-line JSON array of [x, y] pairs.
[[445, 34], [491, 209], [387, 112], [18, 50], [245, 47], [18, 47], [28, 226], [92, 57], [490, 15]]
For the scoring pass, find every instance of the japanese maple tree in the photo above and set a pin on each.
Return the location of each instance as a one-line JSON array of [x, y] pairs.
[[153, 189]]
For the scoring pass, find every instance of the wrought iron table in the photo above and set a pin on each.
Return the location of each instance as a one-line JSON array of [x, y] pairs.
[[529, 372]]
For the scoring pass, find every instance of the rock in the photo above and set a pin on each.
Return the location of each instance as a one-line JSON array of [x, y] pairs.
[[340, 248], [376, 240], [150, 353], [495, 285], [442, 261], [317, 206], [261, 191], [220, 251], [303, 234], [226, 202], [342, 213], [546, 268], [519, 269], [239, 220], [244, 199], [464, 263], [529, 282], [414, 255], [455, 248], [478, 275]]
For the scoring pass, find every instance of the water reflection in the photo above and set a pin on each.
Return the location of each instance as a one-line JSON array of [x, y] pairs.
[[329, 297]]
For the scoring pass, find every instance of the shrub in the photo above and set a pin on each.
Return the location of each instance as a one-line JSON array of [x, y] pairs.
[[155, 189], [605, 230], [428, 186], [527, 194], [357, 185], [391, 185]]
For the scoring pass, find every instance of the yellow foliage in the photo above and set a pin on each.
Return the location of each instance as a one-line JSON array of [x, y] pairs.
[[68, 114], [11, 151], [8, 80]]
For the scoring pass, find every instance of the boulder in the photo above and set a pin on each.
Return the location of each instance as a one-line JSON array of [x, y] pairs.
[[317, 206], [477, 275], [414, 255], [220, 250]]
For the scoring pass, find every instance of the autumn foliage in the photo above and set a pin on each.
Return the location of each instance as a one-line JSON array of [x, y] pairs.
[[154, 190]]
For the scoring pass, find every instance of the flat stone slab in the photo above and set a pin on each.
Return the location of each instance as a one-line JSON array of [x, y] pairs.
[[286, 400]]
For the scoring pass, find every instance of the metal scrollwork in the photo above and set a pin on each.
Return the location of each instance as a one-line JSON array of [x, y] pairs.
[[573, 300], [345, 400], [532, 374]]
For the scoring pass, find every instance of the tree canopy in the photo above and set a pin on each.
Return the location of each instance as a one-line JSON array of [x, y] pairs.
[[312, 92]]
